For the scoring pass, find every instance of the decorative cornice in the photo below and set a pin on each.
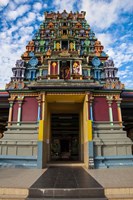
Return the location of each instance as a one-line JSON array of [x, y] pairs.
[[66, 93], [103, 95]]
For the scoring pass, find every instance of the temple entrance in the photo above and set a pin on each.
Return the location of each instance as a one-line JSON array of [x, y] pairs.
[[65, 141]]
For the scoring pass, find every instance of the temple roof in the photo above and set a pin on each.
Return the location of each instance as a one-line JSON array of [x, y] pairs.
[[64, 48]]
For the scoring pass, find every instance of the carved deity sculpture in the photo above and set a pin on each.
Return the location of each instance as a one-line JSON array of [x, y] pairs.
[[54, 68], [76, 68], [65, 72]]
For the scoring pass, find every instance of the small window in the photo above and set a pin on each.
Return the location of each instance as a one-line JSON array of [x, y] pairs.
[[65, 45], [32, 75], [64, 32]]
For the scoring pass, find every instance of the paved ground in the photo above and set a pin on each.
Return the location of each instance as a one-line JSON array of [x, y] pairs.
[[113, 178], [19, 178], [117, 182], [25, 178]]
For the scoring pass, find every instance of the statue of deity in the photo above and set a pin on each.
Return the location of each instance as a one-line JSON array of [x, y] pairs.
[[76, 68]]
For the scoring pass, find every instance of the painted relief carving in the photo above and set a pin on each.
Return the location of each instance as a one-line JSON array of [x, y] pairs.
[[54, 68], [48, 53], [58, 46], [96, 61], [65, 70], [76, 68]]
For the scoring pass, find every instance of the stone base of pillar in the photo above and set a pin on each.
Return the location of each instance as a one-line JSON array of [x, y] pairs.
[[18, 147], [112, 147]]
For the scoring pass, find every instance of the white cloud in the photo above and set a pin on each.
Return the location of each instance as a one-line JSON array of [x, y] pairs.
[[126, 77], [103, 14], [12, 5], [3, 35], [125, 5], [37, 6], [106, 39], [61, 5], [13, 14], [45, 5], [25, 33], [23, 41], [7, 61], [26, 20], [30, 17], [4, 3], [40, 17], [128, 83], [121, 54], [21, 1]]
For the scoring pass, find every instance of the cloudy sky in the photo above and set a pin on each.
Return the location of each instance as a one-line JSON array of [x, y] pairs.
[[111, 20]]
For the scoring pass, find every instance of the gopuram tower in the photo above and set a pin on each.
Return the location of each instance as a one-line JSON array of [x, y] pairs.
[[65, 103]]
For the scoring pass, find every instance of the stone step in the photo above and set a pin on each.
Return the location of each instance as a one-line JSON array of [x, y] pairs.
[[38, 194], [11, 197], [119, 193], [66, 193], [64, 164], [47, 194], [66, 182], [108, 127], [65, 199], [110, 131], [13, 193], [18, 131]]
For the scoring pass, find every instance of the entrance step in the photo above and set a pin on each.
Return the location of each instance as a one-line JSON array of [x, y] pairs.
[[13, 193], [67, 193], [66, 199], [119, 193], [66, 182], [65, 164]]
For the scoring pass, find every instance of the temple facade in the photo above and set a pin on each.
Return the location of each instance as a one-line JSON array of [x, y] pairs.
[[65, 103]]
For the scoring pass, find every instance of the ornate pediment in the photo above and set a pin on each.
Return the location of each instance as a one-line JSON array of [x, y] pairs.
[[64, 53]]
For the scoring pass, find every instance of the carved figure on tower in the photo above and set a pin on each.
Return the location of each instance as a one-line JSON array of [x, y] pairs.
[[76, 68]]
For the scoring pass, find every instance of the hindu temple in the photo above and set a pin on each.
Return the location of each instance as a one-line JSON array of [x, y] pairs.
[[65, 100]]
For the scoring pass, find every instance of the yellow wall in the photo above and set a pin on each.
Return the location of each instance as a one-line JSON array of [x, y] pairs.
[[85, 130]]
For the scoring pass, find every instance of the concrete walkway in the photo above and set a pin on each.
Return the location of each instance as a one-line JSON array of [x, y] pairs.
[[116, 182], [19, 178], [108, 178], [114, 178]]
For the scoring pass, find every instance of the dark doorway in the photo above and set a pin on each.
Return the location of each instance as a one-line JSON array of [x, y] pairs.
[[64, 32], [65, 45], [65, 137], [64, 145]]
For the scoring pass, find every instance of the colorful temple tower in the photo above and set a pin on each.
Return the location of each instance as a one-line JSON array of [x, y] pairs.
[[65, 100]]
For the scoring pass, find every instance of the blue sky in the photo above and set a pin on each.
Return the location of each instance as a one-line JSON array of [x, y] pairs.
[[111, 20]]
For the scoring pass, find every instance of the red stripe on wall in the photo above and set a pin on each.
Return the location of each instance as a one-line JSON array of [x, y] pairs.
[[29, 109], [100, 109]]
